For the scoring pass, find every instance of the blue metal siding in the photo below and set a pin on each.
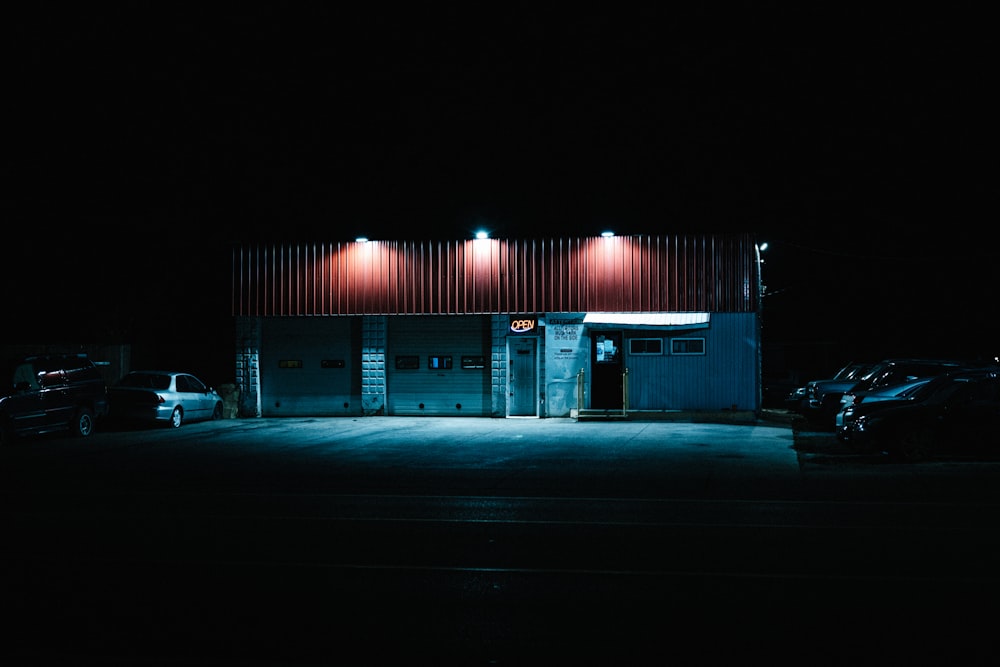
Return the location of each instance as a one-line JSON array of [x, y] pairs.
[[725, 376]]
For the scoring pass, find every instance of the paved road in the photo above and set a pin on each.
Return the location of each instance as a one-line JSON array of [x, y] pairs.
[[478, 541]]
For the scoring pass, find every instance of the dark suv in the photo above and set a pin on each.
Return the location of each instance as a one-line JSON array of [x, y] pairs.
[[53, 392]]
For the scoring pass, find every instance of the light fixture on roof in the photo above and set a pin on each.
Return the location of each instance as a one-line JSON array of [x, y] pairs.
[[362, 239], [482, 234], [607, 234]]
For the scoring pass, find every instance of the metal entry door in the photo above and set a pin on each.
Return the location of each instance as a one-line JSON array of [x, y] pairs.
[[523, 379]]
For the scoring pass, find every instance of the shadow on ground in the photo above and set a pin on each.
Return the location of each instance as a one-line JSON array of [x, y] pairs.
[[820, 445]]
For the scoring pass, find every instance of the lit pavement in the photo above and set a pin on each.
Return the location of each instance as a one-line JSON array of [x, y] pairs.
[[385, 540]]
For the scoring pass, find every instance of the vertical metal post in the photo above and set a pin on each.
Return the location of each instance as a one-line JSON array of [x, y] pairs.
[[760, 317], [625, 392]]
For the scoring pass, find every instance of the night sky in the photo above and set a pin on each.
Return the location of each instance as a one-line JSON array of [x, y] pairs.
[[139, 146]]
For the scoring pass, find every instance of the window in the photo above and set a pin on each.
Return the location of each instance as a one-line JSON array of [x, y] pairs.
[[51, 378], [289, 363], [190, 384], [607, 348], [407, 362], [25, 373], [473, 362], [687, 346], [645, 346], [438, 363]]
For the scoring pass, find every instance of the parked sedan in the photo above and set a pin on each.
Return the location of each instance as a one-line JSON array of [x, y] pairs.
[[164, 397], [954, 413]]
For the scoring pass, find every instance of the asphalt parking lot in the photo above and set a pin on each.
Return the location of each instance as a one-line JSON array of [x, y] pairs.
[[368, 541]]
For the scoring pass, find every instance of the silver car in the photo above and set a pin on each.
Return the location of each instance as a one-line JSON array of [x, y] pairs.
[[163, 397]]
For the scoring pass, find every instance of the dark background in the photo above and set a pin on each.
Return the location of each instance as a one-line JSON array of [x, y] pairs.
[[140, 145]]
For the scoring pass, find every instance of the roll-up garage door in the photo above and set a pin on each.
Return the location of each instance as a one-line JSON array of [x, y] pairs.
[[308, 366], [438, 365]]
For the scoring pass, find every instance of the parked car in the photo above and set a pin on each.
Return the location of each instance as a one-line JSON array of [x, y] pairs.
[[849, 402], [54, 392], [899, 371], [846, 376], [163, 397], [957, 412], [823, 398]]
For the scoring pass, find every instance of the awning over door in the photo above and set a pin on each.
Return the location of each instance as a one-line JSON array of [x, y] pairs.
[[668, 321]]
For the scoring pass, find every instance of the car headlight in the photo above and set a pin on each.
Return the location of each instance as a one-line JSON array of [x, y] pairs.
[[866, 422]]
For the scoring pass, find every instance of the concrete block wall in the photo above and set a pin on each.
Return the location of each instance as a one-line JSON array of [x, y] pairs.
[[248, 365], [498, 364], [373, 338]]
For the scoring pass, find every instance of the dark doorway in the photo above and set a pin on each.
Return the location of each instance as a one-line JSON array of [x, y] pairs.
[[606, 362]]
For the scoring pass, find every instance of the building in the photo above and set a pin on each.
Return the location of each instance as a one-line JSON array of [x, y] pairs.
[[567, 327]]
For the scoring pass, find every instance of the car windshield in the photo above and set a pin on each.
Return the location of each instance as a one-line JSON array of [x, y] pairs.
[[870, 373], [145, 381], [852, 372]]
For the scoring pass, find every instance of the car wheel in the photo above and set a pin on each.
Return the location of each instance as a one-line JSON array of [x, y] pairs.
[[83, 423], [914, 445], [217, 412], [176, 418]]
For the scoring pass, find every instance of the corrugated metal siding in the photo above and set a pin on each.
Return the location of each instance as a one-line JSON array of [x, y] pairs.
[[726, 375], [714, 273]]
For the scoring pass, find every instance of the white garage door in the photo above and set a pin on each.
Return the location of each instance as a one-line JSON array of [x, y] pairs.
[[308, 367], [438, 365]]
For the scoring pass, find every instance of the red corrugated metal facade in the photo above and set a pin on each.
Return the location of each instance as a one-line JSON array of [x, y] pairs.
[[706, 273]]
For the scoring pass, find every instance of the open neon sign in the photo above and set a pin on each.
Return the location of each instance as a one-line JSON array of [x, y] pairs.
[[522, 325]]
